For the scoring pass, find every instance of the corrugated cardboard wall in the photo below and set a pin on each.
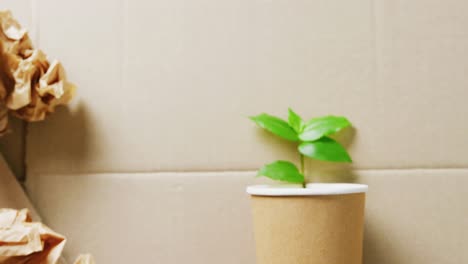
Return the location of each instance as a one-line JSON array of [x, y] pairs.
[[154, 154]]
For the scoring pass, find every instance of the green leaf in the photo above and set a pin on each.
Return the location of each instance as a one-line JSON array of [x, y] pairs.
[[295, 121], [282, 171], [325, 149], [323, 126], [276, 126]]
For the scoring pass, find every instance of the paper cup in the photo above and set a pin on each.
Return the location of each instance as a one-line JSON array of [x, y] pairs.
[[320, 224]]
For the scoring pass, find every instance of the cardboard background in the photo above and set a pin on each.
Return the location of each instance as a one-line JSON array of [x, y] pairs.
[[158, 131]]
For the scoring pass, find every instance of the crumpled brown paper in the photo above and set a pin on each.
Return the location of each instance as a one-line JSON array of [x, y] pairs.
[[25, 242], [85, 259], [30, 86]]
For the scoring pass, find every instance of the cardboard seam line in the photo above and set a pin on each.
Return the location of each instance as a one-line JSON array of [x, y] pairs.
[[23, 153], [423, 170]]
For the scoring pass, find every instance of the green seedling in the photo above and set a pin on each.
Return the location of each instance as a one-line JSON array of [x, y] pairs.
[[312, 139]]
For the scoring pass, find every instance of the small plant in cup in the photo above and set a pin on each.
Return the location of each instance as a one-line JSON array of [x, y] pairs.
[[312, 139]]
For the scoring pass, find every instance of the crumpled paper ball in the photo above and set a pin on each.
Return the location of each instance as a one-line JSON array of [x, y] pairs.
[[30, 86], [23, 241]]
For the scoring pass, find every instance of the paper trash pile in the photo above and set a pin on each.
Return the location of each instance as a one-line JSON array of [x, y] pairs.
[[25, 242], [30, 85]]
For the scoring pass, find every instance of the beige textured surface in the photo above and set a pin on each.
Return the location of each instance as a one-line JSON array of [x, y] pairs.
[[160, 218], [11, 193], [422, 54], [413, 216], [172, 82], [12, 147], [167, 86], [416, 216]]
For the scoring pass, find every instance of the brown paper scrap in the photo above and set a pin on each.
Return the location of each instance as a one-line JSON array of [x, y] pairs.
[[22, 241], [85, 259], [26, 242], [30, 86]]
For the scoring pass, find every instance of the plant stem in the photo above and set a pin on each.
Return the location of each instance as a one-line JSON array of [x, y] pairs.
[[302, 170]]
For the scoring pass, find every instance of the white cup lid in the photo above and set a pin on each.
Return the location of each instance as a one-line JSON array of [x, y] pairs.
[[311, 189]]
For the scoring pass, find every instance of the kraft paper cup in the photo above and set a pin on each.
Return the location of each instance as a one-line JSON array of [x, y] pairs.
[[320, 224]]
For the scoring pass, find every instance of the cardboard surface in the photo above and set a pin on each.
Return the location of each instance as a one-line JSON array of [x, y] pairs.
[[309, 229], [412, 216], [169, 218], [12, 194], [197, 68], [150, 71]]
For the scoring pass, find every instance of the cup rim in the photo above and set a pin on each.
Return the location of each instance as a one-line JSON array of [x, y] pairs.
[[310, 190]]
